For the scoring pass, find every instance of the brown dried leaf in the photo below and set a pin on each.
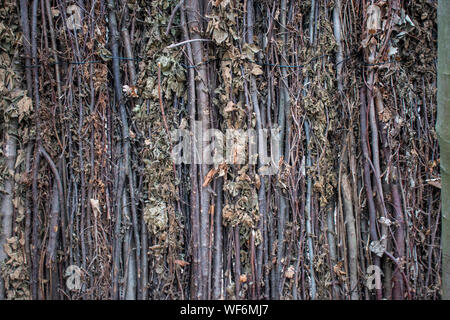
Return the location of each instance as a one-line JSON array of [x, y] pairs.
[[24, 106], [337, 268], [256, 70], [209, 177], [181, 263]]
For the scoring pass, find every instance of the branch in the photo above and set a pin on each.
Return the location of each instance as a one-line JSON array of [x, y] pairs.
[[185, 42], [178, 6]]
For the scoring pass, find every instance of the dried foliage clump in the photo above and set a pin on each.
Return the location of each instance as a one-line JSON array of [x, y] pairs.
[[15, 111]]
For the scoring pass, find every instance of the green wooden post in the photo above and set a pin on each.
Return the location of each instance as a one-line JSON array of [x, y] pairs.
[[443, 131]]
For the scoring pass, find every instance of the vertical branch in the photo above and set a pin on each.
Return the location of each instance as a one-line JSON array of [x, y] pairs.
[[194, 199], [261, 148], [199, 56], [283, 112], [36, 161], [368, 184], [313, 289], [351, 237], [124, 164]]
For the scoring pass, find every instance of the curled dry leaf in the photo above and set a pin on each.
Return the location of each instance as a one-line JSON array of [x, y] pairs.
[[223, 169], [378, 247], [337, 268], [290, 272], [130, 91], [24, 106], [209, 177], [256, 70], [181, 263]]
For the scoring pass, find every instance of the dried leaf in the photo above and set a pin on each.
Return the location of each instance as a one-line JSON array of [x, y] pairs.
[[378, 247], [209, 177], [257, 70], [290, 272], [24, 107], [219, 35], [181, 263], [337, 268], [130, 91]]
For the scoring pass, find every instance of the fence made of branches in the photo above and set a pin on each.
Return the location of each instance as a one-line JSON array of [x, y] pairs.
[[93, 205]]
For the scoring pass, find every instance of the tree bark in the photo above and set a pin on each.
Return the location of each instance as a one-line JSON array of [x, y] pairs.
[[351, 237], [7, 207]]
